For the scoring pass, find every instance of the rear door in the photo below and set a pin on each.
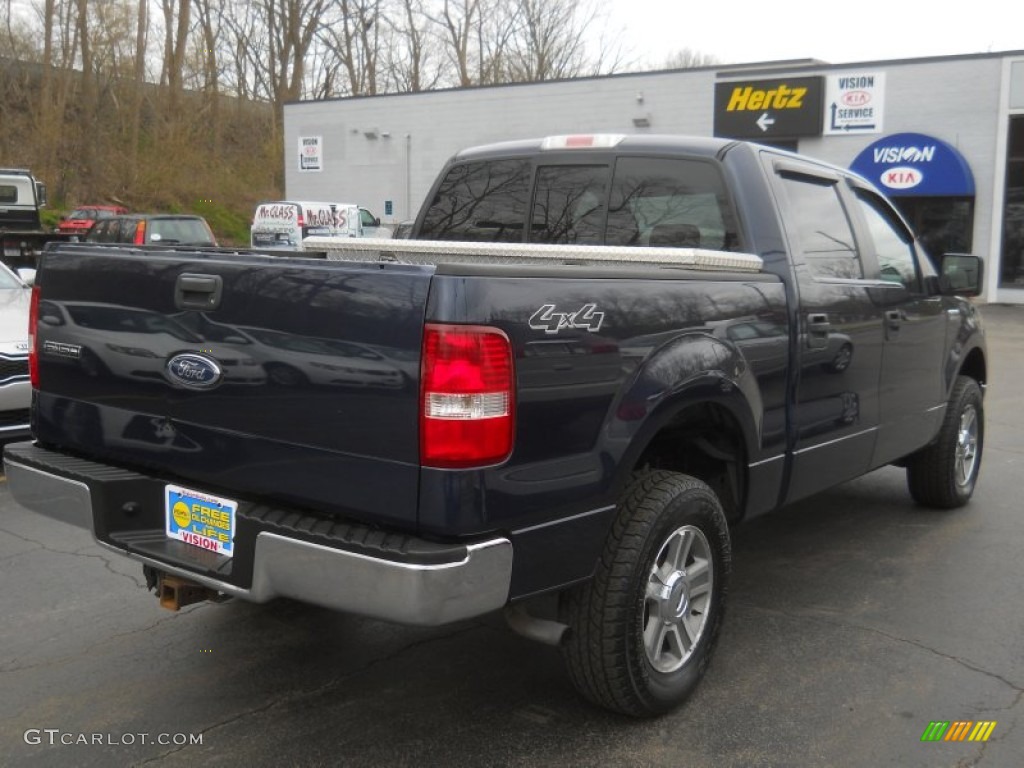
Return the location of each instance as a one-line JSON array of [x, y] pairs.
[[834, 418]]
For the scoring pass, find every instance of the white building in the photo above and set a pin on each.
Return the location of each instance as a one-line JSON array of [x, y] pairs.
[[944, 137]]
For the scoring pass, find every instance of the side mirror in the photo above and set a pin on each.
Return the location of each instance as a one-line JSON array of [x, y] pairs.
[[41, 194], [960, 274], [376, 222]]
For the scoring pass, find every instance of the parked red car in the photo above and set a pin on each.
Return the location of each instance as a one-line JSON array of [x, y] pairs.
[[81, 219]]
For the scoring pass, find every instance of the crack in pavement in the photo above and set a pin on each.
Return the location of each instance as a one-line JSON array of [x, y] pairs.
[[104, 643], [896, 638], [310, 692], [76, 553], [1003, 735]]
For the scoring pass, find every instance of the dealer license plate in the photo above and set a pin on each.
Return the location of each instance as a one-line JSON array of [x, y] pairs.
[[201, 519]]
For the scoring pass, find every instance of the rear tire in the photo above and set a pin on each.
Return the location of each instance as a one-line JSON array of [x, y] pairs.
[[641, 632], [944, 474]]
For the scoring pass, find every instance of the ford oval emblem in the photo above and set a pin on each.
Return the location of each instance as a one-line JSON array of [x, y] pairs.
[[195, 371]]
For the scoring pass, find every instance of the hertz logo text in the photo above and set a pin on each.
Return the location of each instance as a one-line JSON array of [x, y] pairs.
[[782, 97]]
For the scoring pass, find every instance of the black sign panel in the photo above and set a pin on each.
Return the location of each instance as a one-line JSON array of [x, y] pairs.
[[769, 109]]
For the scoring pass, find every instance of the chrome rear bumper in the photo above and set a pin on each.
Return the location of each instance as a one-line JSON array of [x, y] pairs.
[[425, 594]]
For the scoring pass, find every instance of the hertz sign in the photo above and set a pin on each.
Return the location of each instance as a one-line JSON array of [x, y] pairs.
[[769, 109]]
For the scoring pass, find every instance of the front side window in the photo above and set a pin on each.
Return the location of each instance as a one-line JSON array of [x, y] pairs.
[[481, 201], [8, 194], [820, 227], [893, 245]]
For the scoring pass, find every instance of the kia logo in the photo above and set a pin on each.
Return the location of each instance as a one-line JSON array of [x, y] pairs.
[[194, 371], [903, 177]]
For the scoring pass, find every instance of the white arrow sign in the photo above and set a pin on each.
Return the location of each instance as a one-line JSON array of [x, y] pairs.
[[764, 122]]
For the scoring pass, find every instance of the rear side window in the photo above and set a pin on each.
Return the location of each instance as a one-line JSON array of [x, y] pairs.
[[822, 229], [485, 201], [670, 202]]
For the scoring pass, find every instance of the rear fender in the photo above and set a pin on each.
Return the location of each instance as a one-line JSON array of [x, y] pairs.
[[692, 370]]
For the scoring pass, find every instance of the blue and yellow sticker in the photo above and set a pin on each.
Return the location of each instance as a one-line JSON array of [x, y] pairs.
[[200, 519]]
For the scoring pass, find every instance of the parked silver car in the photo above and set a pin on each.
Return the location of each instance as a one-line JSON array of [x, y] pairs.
[[15, 390]]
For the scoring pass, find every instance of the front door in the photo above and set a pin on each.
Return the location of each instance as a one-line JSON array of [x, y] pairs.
[[912, 389]]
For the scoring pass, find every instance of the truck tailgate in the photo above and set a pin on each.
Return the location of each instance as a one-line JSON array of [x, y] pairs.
[[295, 380]]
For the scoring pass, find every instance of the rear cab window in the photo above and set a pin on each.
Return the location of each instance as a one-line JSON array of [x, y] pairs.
[[8, 194], [601, 200]]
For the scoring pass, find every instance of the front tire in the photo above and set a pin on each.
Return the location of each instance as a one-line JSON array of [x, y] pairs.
[[643, 629], [944, 474]]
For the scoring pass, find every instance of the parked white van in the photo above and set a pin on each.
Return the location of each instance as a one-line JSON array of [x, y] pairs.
[[284, 224]]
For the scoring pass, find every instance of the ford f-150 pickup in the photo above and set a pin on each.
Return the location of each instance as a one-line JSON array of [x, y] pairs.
[[596, 354]]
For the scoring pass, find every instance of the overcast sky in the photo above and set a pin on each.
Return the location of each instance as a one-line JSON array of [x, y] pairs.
[[737, 31]]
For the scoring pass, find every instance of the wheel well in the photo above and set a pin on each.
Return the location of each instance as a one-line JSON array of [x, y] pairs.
[[974, 366], [706, 442]]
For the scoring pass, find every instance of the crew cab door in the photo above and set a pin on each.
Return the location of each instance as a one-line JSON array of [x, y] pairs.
[[911, 391], [835, 412]]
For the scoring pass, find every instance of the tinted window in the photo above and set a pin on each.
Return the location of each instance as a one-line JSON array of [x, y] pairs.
[[366, 218], [480, 201], [568, 206], [670, 202], [123, 230], [818, 222], [8, 193], [893, 244], [100, 231]]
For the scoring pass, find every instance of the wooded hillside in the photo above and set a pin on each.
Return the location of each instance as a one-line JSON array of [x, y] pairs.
[[175, 105]]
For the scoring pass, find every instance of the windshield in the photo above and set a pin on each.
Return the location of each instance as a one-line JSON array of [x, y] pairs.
[[8, 280], [185, 231]]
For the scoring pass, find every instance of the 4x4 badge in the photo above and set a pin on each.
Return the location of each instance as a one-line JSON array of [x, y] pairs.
[[548, 320]]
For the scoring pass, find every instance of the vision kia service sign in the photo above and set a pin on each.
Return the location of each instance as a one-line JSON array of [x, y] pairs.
[[854, 103], [769, 109]]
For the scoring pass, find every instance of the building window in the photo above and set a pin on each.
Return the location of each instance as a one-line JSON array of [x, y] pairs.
[[1012, 261]]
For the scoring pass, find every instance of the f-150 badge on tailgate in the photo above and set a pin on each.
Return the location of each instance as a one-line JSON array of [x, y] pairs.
[[195, 371], [550, 321]]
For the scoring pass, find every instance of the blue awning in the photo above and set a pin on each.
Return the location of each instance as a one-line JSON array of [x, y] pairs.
[[913, 164]]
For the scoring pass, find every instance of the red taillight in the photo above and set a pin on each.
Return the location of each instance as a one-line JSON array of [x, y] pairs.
[[33, 353], [466, 396], [302, 221], [140, 234]]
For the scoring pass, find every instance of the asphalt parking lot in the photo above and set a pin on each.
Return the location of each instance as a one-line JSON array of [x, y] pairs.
[[855, 620]]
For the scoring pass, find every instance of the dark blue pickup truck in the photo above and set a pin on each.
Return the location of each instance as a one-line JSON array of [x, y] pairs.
[[596, 355]]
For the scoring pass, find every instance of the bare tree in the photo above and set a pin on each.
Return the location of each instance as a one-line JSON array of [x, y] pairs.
[[353, 39], [550, 40], [457, 20], [411, 50], [687, 58]]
